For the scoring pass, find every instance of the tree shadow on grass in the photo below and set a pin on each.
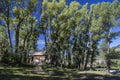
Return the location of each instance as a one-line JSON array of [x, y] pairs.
[[10, 74], [89, 76], [20, 77], [74, 75], [58, 74], [10, 71]]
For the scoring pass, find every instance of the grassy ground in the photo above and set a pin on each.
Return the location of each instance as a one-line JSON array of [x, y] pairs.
[[20, 73]]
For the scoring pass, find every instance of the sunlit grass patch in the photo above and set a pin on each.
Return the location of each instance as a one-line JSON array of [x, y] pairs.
[[94, 72]]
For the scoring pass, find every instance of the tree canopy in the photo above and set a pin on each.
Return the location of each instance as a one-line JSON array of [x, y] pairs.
[[72, 33]]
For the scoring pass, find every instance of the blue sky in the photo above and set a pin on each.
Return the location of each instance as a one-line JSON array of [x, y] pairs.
[[115, 42]]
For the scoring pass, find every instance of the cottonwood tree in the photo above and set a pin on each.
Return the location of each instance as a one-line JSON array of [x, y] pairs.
[[16, 19], [109, 15], [21, 12], [5, 19]]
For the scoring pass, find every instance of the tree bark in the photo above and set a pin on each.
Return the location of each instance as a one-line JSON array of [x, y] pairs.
[[86, 59], [17, 35], [108, 49], [8, 26]]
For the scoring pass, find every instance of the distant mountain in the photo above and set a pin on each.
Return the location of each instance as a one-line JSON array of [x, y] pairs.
[[117, 48]]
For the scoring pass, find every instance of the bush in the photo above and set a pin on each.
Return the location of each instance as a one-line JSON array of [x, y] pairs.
[[5, 58], [10, 58]]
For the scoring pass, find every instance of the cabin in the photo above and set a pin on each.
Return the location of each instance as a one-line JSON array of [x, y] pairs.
[[38, 57]]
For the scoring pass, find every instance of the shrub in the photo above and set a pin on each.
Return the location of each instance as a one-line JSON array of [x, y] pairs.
[[11, 58]]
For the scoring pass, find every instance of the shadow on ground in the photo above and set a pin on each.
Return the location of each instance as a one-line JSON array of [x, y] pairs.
[[56, 74]]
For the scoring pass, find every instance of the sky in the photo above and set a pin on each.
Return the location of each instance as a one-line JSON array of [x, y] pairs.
[[115, 42]]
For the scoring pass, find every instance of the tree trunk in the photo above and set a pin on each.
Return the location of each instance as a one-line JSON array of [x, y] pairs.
[[86, 59], [17, 40], [8, 26], [108, 49], [91, 61], [17, 35], [69, 59]]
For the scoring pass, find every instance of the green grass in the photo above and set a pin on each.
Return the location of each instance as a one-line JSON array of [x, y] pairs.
[[25, 73], [95, 72]]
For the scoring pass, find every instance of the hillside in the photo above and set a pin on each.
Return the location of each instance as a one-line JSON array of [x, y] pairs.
[[117, 48]]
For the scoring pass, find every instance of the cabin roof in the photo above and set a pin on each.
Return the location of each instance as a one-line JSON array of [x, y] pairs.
[[39, 53]]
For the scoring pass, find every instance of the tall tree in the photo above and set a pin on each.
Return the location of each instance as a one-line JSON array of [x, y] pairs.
[[21, 13], [5, 19], [109, 17]]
